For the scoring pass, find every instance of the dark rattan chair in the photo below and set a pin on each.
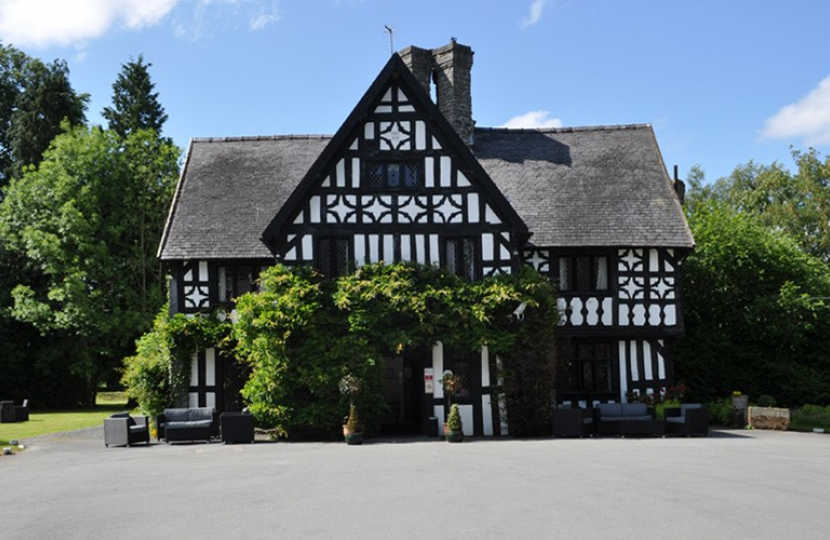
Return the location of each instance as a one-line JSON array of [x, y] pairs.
[[121, 429], [7, 413], [21, 412], [688, 419], [572, 422]]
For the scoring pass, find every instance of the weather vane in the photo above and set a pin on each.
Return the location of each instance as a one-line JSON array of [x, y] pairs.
[[390, 31]]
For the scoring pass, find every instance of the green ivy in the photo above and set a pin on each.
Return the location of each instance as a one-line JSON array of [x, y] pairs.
[[157, 376], [302, 334]]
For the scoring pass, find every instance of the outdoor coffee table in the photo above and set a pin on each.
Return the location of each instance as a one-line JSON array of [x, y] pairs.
[[642, 427], [237, 427]]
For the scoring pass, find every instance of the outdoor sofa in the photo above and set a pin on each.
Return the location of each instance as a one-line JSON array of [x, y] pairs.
[[190, 424], [121, 429], [688, 419], [624, 419]]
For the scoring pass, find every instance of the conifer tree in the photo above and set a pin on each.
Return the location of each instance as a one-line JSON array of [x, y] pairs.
[[46, 101], [135, 105]]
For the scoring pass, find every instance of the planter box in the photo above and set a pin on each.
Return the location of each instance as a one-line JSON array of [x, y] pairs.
[[740, 402], [768, 418]]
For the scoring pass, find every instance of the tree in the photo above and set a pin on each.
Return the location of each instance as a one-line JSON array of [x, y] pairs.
[[798, 203], [39, 110], [79, 231], [757, 311], [13, 76], [135, 105]]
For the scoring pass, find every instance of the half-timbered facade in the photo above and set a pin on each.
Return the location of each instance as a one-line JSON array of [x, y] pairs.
[[406, 179]]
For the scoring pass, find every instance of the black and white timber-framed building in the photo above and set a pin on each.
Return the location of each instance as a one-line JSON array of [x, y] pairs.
[[406, 179]]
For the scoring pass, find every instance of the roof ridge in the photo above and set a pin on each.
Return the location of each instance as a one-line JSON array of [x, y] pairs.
[[609, 127], [260, 138]]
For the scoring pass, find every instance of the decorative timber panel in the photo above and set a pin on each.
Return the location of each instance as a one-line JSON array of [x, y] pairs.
[[397, 194], [637, 288]]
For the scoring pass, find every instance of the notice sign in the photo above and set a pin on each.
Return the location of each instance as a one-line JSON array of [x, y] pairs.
[[429, 382]]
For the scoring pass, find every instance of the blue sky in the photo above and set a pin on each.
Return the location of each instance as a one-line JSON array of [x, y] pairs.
[[722, 82]]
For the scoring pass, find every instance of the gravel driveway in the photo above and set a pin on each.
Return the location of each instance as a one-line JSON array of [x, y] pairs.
[[733, 484]]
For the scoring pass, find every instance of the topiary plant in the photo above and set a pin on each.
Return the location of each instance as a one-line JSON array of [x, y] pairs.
[[454, 420]]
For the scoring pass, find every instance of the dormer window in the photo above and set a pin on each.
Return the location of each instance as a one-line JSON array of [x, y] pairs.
[[392, 175]]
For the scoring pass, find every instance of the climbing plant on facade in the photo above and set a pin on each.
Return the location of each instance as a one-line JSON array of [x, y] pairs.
[[301, 334], [157, 376]]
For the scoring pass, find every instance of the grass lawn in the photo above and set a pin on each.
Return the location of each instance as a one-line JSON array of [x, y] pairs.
[[55, 421]]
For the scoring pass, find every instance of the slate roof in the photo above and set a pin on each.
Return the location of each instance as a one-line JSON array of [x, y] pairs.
[[592, 186], [600, 186], [230, 190]]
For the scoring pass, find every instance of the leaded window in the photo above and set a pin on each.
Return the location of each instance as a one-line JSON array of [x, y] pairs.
[[234, 281], [333, 257], [583, 273], [460, 257], [586, 367], [392, 174]]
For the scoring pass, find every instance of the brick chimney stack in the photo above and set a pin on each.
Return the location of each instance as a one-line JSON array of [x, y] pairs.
[[419, 61], [450, 68]]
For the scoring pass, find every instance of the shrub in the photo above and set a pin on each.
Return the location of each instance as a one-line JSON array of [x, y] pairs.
[[766, 401], [807, 417], [454, 420], [719, 411]]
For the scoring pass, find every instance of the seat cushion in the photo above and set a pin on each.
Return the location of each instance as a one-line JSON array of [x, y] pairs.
[[190, 424], [688, 407], [200, 413], [634, 409], [176, 415], [609, 410]]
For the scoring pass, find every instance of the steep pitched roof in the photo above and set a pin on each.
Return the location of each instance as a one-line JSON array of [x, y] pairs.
[[229, 191], [395, 68], [593, 186]]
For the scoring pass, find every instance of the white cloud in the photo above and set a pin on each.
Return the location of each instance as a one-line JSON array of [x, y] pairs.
[[808, 118], [533, 119], [208, 16], [63, 22], [258, 22], [535, 13]]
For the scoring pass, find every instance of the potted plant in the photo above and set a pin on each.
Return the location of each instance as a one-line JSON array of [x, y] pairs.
[[453, 429], [452, 386], [352, 429], [739, 400]]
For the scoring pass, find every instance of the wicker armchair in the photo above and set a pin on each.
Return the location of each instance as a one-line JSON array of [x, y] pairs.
[[572, 422], [688, 419], [21, 412], [121, 429]]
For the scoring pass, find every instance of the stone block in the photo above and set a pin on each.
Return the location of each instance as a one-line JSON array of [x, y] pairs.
[[768, 418]]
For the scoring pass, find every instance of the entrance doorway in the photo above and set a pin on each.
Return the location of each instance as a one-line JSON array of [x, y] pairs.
[[403, 389]]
